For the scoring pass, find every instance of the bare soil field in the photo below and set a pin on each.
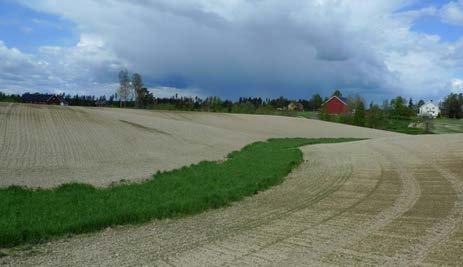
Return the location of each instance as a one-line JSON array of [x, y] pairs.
[[391, 200], [45, 146], [387, 201]]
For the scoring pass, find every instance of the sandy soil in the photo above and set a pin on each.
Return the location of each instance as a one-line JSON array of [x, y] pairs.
[[388, 201], [44, 146]]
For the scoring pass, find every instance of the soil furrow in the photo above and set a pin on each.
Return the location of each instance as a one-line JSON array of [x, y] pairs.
[[392, 200]]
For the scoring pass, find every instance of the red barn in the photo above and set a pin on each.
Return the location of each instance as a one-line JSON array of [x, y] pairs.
[[43, 99], [335, 105]]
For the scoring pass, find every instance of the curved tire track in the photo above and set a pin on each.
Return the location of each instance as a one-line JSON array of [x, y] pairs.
[[443, 230]]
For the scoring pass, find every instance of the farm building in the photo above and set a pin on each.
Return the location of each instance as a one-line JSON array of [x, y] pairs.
[[335, 105], [100, 103], [295, 106], [430, 110], [43, 99]]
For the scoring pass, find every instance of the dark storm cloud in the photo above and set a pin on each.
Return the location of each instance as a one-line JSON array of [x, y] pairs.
[[260, 47]]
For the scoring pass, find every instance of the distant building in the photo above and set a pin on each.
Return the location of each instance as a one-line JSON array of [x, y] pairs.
[[100, 103], [335, 105], [45, 99], [295, 106], [430, 110]]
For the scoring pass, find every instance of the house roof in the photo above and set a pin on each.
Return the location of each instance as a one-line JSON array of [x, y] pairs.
[[342, 99], [429, 102], [37, 97], [428, 105]]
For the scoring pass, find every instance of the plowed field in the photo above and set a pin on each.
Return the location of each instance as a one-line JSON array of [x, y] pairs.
[[390, 200], [50, 145]]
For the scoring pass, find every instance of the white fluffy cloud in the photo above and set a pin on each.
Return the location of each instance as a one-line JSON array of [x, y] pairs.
[[457, 86], [164, 91], [266, 47], [17, 68], [90, 62], [87, 67], [452, 13]]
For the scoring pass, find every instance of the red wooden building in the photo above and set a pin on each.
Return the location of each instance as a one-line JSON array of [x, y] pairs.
[[43, 99], [336, 105]]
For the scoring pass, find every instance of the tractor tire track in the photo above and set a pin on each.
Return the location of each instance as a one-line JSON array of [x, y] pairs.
[[444, 229], [342, 206], [338, 240]]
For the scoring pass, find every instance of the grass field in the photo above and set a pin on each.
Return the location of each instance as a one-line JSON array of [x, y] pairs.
[[308, 114], [445, 125], [28, 215], [401, 126]]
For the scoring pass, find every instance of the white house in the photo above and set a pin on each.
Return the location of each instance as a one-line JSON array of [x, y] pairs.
[[429, 109]]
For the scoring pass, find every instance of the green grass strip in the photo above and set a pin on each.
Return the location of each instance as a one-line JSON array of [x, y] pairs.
[[36, 215]]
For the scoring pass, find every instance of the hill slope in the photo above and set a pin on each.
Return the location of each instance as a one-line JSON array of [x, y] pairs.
[[392, 201], [44, 146]]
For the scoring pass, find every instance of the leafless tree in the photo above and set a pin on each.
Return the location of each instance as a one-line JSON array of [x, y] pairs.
[[137, 84], [125, 89]]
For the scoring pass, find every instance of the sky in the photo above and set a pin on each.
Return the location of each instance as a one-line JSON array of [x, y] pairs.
[[230, 48]]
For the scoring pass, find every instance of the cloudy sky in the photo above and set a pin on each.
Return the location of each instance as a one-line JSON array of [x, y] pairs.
[[230, 48]]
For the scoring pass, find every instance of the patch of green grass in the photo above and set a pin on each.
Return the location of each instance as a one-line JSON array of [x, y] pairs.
[[401, 126], [446, 125], [35, 215], [308, 114], [292, 113]]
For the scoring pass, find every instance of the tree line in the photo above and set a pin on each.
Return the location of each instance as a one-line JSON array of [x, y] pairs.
[[132, 93], [396, 114], [133, 88], [452, 106], [9, 98], [145, 99]]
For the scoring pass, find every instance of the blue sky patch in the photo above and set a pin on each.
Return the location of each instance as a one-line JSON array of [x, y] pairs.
[[433, 25], [423, 4], [27, 29]]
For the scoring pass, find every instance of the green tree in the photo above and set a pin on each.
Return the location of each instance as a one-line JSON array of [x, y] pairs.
[[453, 105], [346, 118], [213, 104], [420, 103], [337, 93], [399, 109], [323, 115], [247, 107], [316, 102], [375, 117], [359, 114], [146, 97], [9, 98], [410, 104]]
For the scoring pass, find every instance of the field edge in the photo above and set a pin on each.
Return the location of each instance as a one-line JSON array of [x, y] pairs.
[[36, 215]]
